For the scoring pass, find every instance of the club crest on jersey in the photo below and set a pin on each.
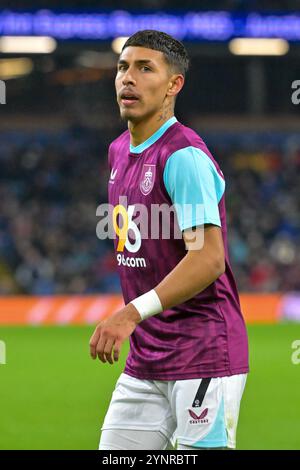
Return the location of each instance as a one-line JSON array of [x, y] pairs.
[[148, 178]]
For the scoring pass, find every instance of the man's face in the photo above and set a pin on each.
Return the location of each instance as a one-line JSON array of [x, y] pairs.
[[142, 81]]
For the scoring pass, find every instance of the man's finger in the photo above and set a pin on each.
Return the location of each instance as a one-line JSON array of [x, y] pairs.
[[108, 350], [100, 348], [117, 350], [94, 341]]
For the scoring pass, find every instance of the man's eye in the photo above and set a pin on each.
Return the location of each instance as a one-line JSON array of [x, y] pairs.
[[121, 67], [145, 68]]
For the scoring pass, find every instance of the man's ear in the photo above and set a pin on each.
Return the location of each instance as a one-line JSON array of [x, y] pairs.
[[175, 85]]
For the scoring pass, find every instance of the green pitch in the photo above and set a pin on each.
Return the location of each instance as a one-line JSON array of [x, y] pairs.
[[53, 396]]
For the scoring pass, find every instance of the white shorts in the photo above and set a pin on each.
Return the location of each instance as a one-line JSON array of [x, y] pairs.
[[201, 413]]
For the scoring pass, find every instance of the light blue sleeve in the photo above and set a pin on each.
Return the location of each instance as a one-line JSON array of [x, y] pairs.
[[194, 186]]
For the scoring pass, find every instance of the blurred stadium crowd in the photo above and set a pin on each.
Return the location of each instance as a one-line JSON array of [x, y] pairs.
[[51, 185]]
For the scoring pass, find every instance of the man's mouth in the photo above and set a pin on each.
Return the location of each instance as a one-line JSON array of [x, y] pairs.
[[128, 99]]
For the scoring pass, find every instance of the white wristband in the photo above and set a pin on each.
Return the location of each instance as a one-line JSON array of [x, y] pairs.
[[148, 304]]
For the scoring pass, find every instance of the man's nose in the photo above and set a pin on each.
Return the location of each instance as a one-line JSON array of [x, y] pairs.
[[128, 78]]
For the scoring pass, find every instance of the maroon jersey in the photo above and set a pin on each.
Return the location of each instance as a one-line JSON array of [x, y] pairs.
[[206, 335]]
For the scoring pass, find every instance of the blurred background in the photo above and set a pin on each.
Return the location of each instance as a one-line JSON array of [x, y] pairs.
[[57, 117]]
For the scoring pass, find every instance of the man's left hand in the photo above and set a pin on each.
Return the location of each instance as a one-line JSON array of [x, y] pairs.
[[110, 334]]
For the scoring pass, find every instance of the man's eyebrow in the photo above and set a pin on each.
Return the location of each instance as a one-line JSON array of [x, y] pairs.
[[139, 62]]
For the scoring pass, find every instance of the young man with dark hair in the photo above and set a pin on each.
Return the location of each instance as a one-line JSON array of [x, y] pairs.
[[188, 360]]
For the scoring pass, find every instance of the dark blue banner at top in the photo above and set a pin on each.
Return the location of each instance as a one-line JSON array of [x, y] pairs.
[[189, 26]]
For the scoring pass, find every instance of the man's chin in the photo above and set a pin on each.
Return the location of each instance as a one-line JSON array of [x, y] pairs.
[[128, 115]]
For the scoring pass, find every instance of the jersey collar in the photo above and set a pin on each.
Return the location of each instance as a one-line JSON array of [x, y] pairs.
[[154, 137]]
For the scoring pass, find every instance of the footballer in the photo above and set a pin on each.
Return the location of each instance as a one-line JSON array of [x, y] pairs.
[[188, 362]]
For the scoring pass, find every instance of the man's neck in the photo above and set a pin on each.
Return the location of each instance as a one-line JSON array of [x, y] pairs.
[[141, 131]]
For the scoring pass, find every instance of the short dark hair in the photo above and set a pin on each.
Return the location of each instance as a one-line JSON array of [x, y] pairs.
[[174, 51]]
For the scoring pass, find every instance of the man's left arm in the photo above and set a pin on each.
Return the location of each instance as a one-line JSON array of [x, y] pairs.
[[196, 271]]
